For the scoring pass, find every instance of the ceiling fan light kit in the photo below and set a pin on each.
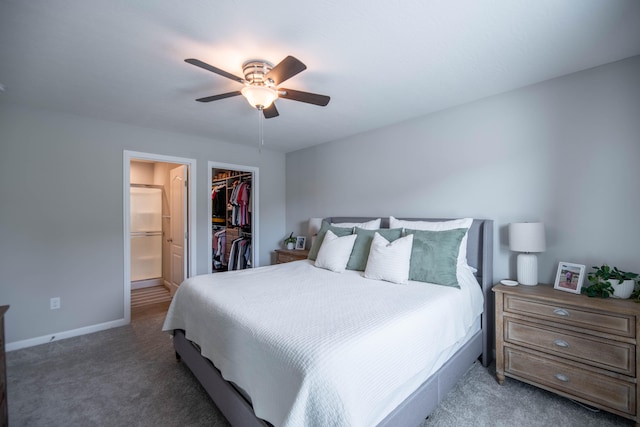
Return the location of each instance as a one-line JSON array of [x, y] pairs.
[[259, 97], [261, 80]]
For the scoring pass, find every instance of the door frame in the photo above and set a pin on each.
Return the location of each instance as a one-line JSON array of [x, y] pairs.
[[255, 202], [127, 157]]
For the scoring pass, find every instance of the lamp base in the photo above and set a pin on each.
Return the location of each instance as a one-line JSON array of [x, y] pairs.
[[528, 269]]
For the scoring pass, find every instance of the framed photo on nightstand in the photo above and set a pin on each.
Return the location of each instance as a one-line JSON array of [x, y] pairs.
[[569, 277], [300, 242]]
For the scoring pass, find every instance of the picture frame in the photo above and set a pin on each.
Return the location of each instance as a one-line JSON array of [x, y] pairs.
[[300, 242], [569, 277]]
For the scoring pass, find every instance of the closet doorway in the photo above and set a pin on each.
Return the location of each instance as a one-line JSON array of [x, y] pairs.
[[233, 207], [158, 219]]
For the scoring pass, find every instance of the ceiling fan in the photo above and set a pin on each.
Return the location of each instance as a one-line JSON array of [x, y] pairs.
[[261, 80]]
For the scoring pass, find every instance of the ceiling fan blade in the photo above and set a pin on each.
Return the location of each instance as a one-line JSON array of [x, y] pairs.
[[286, 69], [309, 98], [270, 112], [213, 69], [217, 97]]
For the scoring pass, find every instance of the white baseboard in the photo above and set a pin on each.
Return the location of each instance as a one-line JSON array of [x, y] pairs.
[[17, 345], [140, 284]]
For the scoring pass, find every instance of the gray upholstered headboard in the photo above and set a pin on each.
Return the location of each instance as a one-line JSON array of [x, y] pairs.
[[479, 256]]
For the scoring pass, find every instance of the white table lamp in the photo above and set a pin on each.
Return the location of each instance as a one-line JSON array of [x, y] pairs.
[[527, 237]]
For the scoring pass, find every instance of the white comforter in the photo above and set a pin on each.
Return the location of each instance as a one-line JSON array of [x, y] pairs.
[[317, 348]]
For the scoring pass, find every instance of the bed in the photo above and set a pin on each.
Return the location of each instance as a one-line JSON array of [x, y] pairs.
[[365, 371]]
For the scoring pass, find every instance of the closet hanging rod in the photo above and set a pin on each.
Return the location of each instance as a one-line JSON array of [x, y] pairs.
[[239, 175]]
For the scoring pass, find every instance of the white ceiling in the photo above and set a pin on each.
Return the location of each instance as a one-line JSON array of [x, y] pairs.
[[381, 62]]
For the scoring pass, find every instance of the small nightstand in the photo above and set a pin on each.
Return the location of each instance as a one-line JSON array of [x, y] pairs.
[[288, 255], [578, 347]]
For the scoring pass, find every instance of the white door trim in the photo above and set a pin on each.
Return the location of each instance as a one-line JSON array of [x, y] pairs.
[[191, 196], [255, 197]]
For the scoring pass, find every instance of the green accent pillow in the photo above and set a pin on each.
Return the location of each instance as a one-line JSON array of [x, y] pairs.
[[362, 246], [434, 256], [338, 231]]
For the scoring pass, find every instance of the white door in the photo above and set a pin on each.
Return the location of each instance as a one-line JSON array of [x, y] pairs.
[[178, 235]]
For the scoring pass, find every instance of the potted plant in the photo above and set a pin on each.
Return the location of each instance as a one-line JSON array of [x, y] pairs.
[[606, 281], [290, 242]]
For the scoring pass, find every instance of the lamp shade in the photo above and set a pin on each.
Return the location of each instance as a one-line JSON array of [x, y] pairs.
[[259, 96], [314, 226], [527, 237]]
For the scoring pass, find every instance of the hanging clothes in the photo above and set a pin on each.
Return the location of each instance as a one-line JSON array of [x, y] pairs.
[[218, 204], [240, 254], [219, 246], [231, 199], [239, 200]]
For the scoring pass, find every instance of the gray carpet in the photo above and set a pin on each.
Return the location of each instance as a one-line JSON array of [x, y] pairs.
[[128, 376]]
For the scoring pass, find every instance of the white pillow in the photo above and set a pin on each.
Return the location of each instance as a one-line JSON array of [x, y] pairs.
[[438, 226], [389, 261], [335, 251], [374, 224]]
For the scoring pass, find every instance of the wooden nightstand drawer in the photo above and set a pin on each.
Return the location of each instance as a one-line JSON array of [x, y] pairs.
[[288, 255], [619, 324], [282, 258], [607, 354], [599, 390]]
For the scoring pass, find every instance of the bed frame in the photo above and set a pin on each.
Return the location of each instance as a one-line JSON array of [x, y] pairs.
[[236, 407]]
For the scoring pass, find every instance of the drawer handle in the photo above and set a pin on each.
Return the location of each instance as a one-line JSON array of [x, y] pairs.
[[562, 377], [561, 343], [561, 312]]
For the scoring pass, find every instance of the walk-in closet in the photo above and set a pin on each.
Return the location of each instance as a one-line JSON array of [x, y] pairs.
[[231, 219]]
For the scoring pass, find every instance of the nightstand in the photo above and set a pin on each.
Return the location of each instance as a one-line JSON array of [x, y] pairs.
[[578, 347], [288, 255]]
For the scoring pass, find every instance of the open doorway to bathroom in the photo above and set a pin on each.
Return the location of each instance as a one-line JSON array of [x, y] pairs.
[[158, 218]]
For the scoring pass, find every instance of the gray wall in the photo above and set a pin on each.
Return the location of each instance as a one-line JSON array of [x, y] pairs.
[[61, 219], [565, 152]]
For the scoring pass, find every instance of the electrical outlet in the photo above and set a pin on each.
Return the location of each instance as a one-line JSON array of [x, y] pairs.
[[54, 303]]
